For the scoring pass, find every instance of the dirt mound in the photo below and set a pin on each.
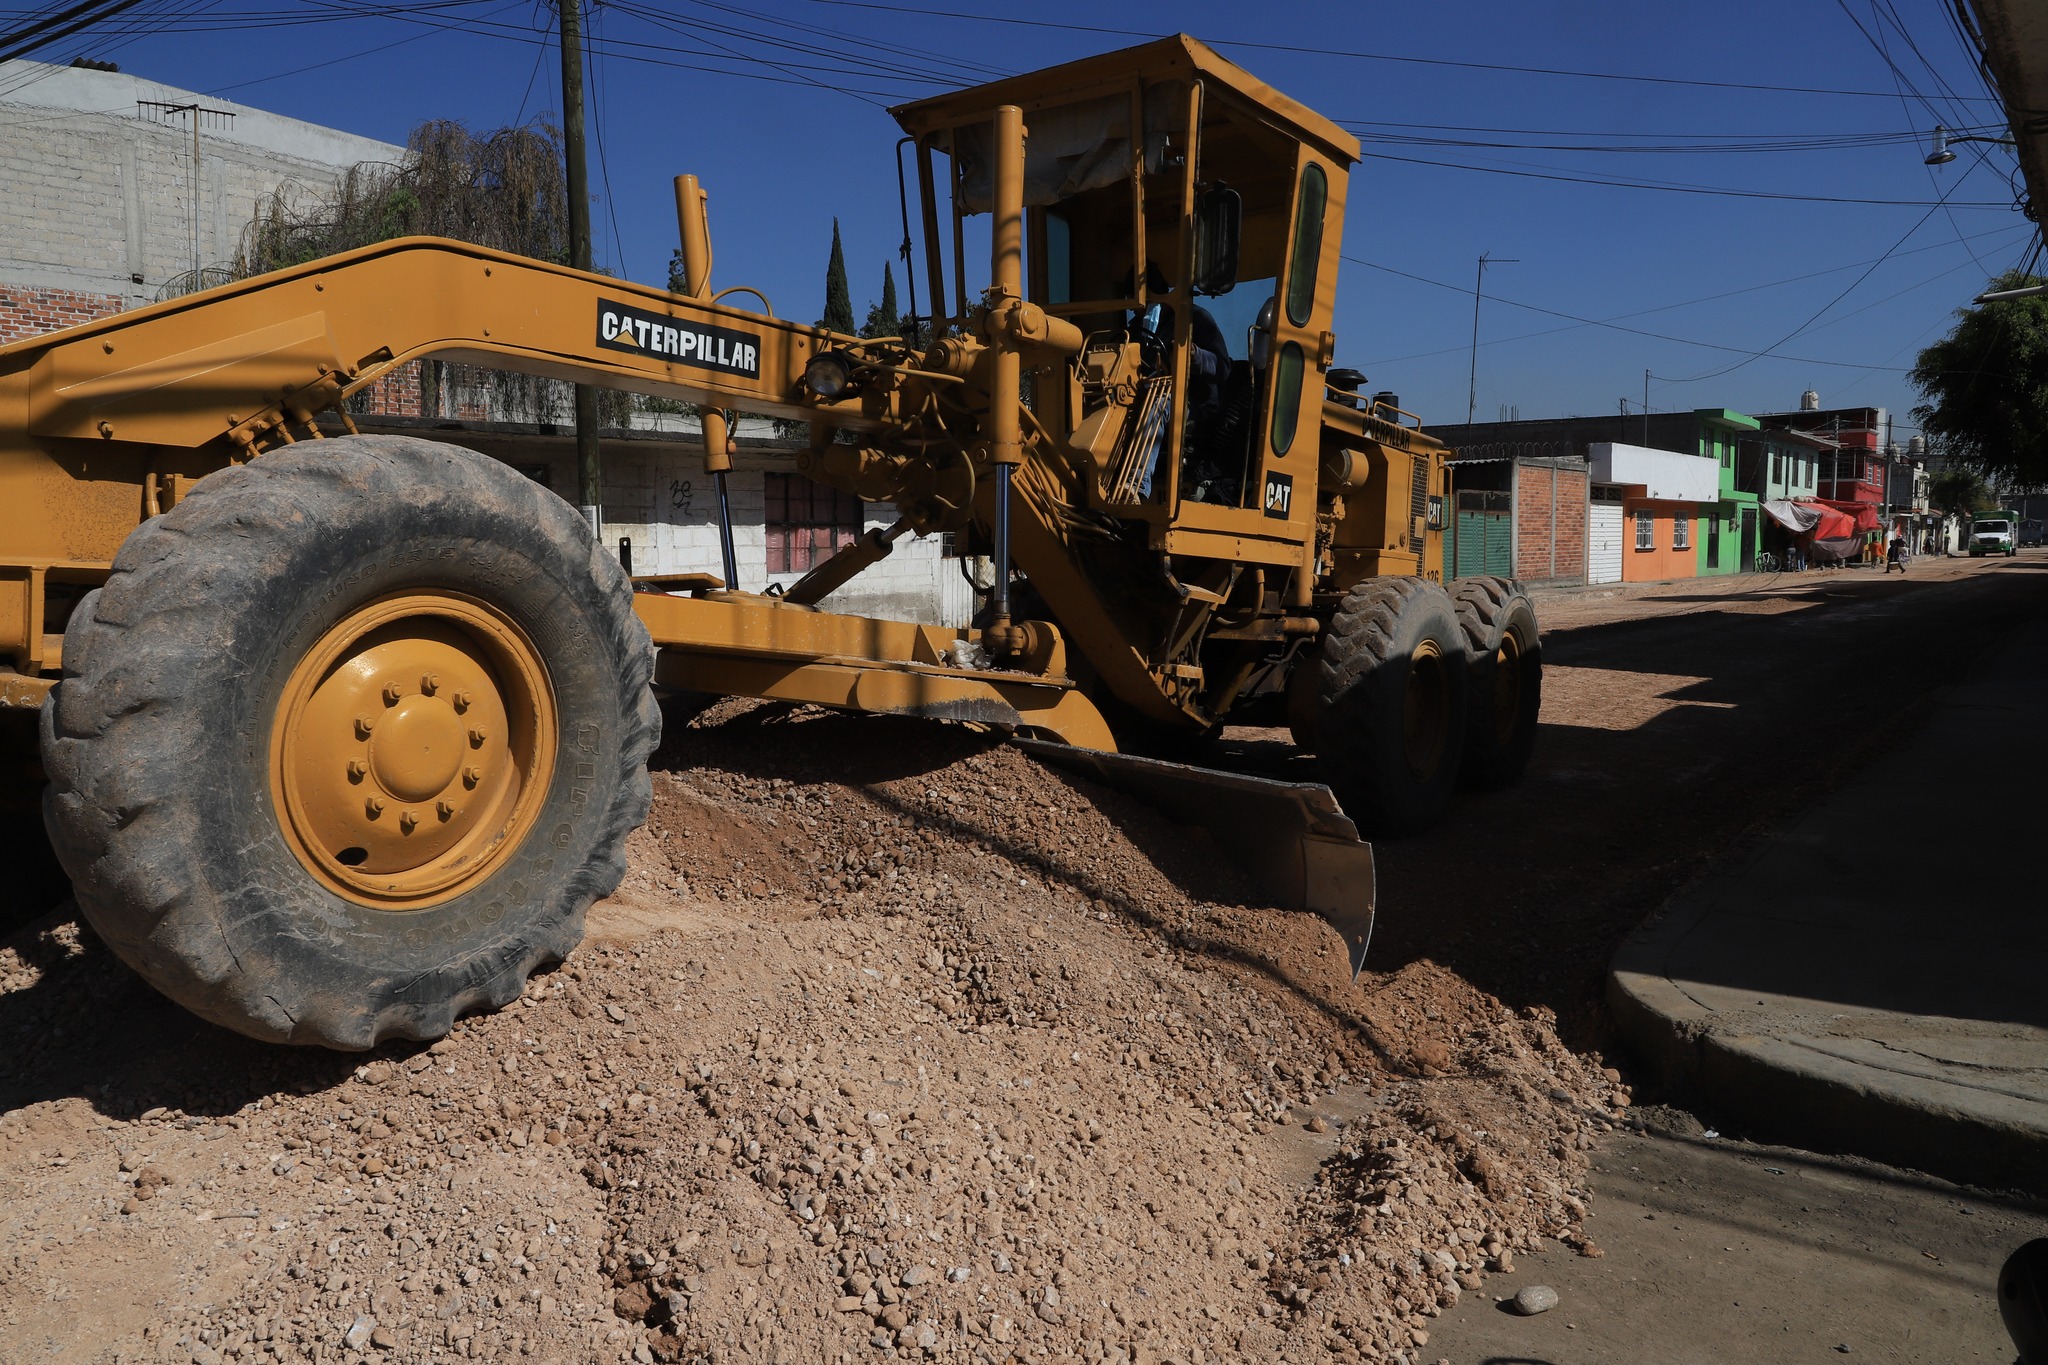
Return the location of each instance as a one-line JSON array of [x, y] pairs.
[[892, 1042]]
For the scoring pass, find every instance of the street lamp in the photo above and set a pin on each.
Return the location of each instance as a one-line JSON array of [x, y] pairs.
[[1941, 155], [2030, 291]]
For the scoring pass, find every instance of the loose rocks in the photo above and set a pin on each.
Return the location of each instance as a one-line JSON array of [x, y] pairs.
[[1532, 1299], [891, 1041]]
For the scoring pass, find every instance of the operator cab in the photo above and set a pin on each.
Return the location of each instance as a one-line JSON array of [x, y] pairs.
[[1186, 218]]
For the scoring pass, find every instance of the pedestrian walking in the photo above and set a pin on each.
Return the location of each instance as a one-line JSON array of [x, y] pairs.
[[1895, 554]]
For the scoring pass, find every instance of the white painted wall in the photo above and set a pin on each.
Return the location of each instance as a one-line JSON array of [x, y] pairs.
[[1664, 474]]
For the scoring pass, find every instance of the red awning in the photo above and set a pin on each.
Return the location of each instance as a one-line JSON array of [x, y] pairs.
[[1862, 515]]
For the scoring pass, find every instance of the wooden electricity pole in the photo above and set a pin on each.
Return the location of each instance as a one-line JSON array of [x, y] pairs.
[[589, 476]]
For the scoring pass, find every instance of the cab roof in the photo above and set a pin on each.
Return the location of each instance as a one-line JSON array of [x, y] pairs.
[[1179, 57]]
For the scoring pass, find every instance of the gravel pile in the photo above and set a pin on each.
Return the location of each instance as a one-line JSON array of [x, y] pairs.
[[893, 1045]]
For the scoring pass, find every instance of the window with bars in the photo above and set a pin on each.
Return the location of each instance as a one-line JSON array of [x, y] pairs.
[[1646, 531], [1681, 533], [806, 522]]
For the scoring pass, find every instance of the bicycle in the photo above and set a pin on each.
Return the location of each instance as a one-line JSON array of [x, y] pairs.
[[1766, 562]]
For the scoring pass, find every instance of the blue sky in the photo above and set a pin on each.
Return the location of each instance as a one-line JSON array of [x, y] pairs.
[[1832, 255]]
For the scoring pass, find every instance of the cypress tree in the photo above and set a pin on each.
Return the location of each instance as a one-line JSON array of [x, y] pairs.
[[838, 302], [883, 320]]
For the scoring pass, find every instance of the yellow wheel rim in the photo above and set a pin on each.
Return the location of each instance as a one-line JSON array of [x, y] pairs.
[[1507, 687], [1426, 710], [412, 748]]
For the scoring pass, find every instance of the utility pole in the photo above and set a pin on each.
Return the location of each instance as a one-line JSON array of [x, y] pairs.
[[1646, 409], [1472, 394], [194, 110], [589, 475]]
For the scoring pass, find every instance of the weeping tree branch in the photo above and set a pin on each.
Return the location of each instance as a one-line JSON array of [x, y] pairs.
[[504, 189]]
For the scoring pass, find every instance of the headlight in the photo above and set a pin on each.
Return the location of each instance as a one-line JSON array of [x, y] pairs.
[[828, 376]]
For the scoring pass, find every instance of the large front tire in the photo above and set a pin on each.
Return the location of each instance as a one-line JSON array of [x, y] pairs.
[[350, 740], [1391, 703], [1506, 650]]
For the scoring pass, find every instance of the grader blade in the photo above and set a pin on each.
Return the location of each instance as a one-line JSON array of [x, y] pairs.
[[1292, 837]]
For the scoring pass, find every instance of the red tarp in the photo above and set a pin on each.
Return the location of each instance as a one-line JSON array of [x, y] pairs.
[[1837, 535], [1862, 515]]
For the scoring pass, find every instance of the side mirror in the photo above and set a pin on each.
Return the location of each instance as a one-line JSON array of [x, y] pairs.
[[1219, 216]]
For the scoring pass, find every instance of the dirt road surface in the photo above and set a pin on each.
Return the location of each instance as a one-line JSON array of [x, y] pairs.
[[894, 1045]]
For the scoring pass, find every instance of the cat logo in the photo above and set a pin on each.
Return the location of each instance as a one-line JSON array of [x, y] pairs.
[[621, 328], [1279, 495]]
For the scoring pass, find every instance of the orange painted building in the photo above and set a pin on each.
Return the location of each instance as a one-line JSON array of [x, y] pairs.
[[1658, 540], [1663, 495]]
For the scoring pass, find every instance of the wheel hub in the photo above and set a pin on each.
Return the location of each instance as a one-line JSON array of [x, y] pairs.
[[1425, 710], [417, 750], [1507, 687], [411, 748]]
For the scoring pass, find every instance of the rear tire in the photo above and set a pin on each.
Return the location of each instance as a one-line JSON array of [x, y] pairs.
[[1391, 703], [218, 792], [1506, 685]]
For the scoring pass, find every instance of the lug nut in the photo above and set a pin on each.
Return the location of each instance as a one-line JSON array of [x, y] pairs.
[[363, 724], [444, 809], [462, 701], [357, 769], [373, 808], [408, 822], [471, 776], [430, 684], [392, 693], [476, 739]]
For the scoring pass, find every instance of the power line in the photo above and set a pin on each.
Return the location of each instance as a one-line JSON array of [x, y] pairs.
[[1835, 143], [1669, 187], [1588, 322], [1662, 307], [1361, 56], [64, 23], [1847, 290]]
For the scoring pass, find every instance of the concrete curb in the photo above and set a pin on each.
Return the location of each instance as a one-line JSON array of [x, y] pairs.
[[1785, 1092]]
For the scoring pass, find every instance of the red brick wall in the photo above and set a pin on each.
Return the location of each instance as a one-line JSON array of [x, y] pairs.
[[1536, 558], [396, 394], [26, 312]]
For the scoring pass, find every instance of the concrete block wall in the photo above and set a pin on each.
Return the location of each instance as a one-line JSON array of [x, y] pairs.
[[1550, 523], [99, 191]]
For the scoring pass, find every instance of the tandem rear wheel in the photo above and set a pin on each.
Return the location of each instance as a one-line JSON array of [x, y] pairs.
[[350, 740], [1390, 703], [1414, 691]]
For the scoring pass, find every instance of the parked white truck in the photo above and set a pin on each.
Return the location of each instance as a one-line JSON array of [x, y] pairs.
[[1996, 532]]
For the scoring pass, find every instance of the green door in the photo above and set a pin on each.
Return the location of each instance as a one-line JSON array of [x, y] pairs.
[[1483, 546]]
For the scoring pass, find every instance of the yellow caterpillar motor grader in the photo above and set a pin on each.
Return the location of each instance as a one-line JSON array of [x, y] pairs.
[[343, 734]]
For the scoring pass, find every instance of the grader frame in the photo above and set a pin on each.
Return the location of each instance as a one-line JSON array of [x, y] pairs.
[[1204, 535]]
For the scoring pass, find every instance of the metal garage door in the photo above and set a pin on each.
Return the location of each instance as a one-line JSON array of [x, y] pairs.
[[1603, 540], [1483, 540]]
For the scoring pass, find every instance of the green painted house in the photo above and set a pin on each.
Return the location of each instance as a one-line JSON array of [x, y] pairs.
[[1728, 533]]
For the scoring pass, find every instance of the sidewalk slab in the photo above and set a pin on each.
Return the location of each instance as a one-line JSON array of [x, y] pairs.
[[1874, 978]]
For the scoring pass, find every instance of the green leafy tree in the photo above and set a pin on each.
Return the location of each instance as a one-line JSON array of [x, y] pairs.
[[838, 302], [1959, 492], [1986, 385], [883, 320]]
